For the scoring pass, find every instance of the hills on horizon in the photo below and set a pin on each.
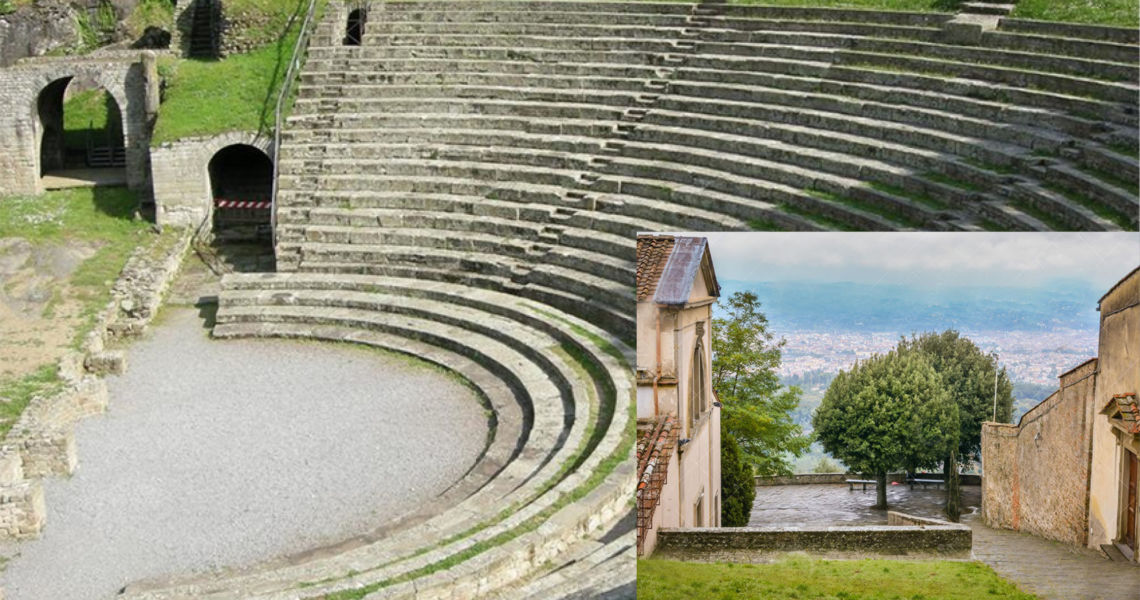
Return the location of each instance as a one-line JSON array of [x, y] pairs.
[[849, 306]]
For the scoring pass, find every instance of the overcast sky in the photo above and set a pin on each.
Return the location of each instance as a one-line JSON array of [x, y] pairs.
[[926, 259]]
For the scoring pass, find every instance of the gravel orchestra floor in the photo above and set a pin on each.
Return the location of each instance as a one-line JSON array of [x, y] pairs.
[[228, 453]]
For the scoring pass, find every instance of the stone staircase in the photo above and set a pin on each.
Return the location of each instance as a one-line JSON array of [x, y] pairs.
[[464, 187]]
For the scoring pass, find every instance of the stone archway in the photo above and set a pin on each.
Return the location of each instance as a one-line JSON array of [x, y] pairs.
[[241, 187], [32, 90], [92, 140], [354, 29]]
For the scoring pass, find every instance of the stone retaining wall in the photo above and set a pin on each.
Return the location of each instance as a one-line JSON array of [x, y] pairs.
[[1037, 472], [755, 544], [42, 442], [825, 478]]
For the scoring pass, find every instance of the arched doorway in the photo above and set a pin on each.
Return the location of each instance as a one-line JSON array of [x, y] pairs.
[[241, 182], [354, 30], [81, 133]]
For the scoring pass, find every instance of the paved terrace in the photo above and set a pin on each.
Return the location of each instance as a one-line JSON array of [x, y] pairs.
[[1051, 570], [227, 453]]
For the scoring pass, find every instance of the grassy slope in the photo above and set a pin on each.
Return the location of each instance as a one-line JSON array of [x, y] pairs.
[[804, 579], [85, 113], [100, 214], [239, 92], [1120, 13]]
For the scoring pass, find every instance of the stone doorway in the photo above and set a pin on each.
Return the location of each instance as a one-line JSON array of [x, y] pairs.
[[241, 186], [354, 31], [82, 141]]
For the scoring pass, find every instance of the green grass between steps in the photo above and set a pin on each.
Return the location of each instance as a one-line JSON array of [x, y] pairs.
[[621, 455], [809, 579], [897, 5]]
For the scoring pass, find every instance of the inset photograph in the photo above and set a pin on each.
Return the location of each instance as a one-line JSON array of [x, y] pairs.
[[939, 414]]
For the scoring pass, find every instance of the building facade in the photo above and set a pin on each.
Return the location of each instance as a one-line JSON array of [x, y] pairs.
[[677, 413], [1068, 470]]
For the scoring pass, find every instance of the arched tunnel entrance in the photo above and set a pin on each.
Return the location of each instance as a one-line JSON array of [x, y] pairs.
[[354, 30], [81, 128], [241, 182]]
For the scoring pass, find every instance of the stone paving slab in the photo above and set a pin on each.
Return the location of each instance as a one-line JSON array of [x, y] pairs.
[[1053, 570]]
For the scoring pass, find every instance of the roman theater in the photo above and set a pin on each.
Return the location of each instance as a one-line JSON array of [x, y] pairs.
[[459, 183]]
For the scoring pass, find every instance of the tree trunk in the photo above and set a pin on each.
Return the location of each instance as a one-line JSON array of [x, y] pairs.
[[881, 491], [953, 491]]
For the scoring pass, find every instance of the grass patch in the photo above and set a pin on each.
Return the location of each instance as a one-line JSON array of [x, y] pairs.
[[151, 13], [238, 93], [16, 393], [86, 114], [1118, 13], [1097, 208], [985, 166], [1052, 221], [803, 578], [102, 215], [918, 198], [824, 220], [764, 225], [867, 207], [950, 181], [900, 5], [1124, 149], [580, 331], [1111, 179]]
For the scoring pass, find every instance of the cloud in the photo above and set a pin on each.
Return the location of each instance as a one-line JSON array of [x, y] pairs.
[[987, 259]]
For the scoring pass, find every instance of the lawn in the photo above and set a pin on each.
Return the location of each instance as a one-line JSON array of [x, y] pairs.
[[809, 579], [100, 218], [85, 114], [1119, 13], [237, 93]]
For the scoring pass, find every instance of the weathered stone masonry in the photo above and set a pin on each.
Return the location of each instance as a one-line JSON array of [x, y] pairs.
[[182, 189], [1037, 472], [131, 79]]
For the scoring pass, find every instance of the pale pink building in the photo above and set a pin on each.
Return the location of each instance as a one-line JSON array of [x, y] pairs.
[[678, 418]]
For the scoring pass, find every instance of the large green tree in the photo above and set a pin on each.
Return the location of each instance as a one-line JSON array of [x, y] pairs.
[[969, 377], [737, 485], [888, 412], [757, 409]]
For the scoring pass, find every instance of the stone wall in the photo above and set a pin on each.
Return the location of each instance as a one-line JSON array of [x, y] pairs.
[[755, 544], [42, 442], [1000, 486], [132, 82], [832, 478], [1037, 473], [182, 194]]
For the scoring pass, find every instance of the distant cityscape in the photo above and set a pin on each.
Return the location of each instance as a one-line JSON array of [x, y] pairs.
[[1037, 357]]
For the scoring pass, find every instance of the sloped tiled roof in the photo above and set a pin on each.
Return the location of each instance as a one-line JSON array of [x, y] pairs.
[[1125, 408], [652, 254]]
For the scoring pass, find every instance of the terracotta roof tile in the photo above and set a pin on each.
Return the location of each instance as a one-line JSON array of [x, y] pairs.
[[652, 253]]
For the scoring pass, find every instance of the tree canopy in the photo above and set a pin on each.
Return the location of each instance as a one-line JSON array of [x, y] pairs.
[[889, 412], [968, 374], [757, 409]]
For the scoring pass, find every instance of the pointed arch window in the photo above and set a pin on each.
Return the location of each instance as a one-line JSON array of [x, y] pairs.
[[698, 380]]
